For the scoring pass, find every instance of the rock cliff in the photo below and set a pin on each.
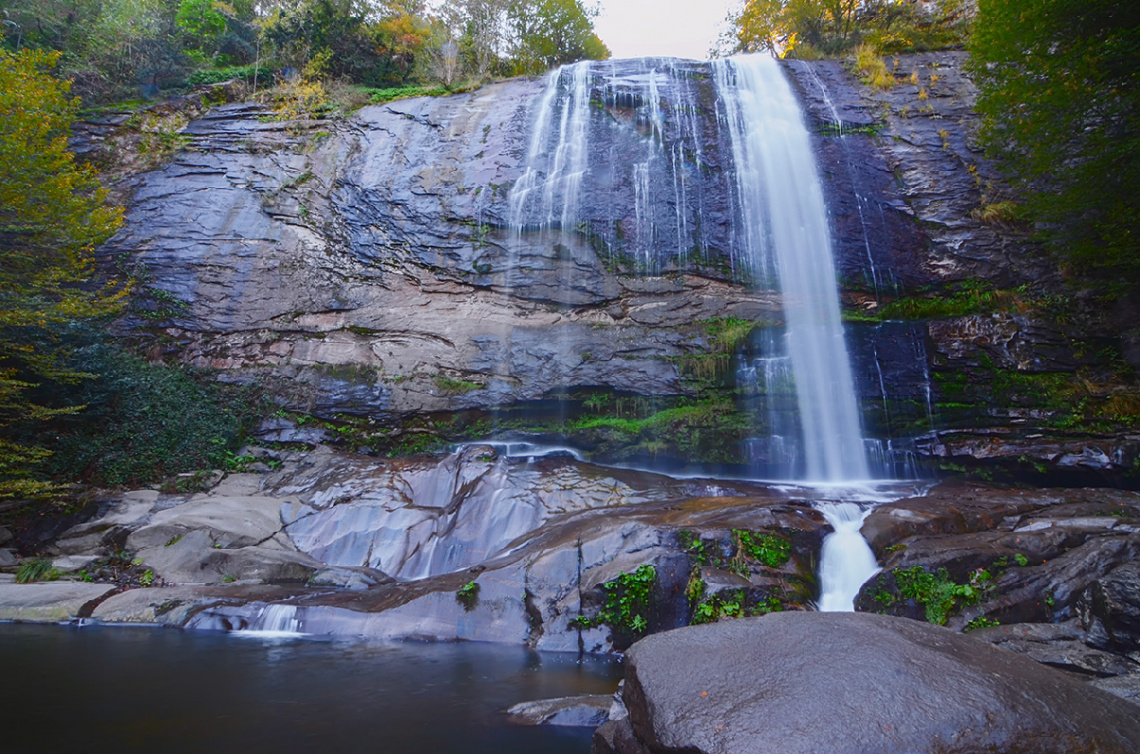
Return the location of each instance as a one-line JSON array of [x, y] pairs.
[[371, 266]]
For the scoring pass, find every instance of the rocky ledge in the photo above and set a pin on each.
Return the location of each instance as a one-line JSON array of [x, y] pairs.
[[1047, 573], [559, 554], [473, 545]]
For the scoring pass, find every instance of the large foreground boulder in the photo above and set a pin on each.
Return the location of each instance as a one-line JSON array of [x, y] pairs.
[[845, 682]]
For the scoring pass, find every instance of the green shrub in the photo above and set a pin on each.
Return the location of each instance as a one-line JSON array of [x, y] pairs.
[[239, 72], [468, 595], [628, 601], [39, 569], [980, 622], [145, 422], [380, 96], [768, 549], [937, 592]]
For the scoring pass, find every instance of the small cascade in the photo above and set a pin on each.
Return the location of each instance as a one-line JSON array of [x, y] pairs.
[[274, 621], [846, 561], [836, 121], [784, 234], [613, 165]]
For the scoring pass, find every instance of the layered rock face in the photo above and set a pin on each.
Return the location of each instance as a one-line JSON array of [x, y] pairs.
[[417, 258], [372, 256]]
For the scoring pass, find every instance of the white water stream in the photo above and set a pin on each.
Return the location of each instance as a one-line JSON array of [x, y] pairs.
[[846, 561], [787, 236], [274, 622]]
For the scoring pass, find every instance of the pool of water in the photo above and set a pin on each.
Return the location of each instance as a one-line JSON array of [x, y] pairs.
[[143, 689]]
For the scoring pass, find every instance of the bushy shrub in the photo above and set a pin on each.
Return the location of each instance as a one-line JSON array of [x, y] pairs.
[[144, 422], [239, 72]]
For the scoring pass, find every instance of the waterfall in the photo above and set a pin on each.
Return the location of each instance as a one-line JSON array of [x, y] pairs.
[[546, 196], [614, 154], [786, 240], [274, 621], [846, 561], [614, 166], [785, 237]]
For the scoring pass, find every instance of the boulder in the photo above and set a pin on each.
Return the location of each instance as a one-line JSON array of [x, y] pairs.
[[1110, 607], [836, 682], [587, 711], [174, 606], [952, 508], [237, 521], [1060, 645], [49, 601], [195, 559], [165, 606]]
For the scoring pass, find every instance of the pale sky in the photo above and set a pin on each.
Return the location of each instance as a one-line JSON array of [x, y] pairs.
[[677, 28]]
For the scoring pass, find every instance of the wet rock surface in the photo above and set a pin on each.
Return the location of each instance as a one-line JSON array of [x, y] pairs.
[[363, 259], [906, 153], [1053, 567], [368, 266], [49, 602], [575, 711], [807, 682], [337, 544]]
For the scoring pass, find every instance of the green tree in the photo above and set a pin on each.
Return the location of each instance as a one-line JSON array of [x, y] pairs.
[[201, 18], [52, 214], [1059, 96], [399, 38], [549, 33], [331, 33]]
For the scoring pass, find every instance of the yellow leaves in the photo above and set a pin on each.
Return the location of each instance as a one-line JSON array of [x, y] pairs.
[[52, 215]]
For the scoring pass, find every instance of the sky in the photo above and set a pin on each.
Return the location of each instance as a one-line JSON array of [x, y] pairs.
[[678, 28]]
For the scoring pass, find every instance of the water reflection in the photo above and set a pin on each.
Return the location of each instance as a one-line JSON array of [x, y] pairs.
[[135, 689]]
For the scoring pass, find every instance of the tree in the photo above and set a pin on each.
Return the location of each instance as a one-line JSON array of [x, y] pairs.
[[52, 214], [400, 37], [1059, 96], [548, 33], [479, 28], [835, 26], [331, 33], [201, 18]]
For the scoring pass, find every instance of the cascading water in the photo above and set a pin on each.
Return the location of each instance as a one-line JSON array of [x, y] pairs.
[[779, 236], [274, 622], [846, 561], [637, 188], [784, 232], [546, 196]]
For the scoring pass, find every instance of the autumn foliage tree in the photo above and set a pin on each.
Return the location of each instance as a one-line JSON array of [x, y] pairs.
[[812, 27], [52, 214]]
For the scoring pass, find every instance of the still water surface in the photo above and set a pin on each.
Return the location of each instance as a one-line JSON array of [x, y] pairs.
[[141, 689]]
